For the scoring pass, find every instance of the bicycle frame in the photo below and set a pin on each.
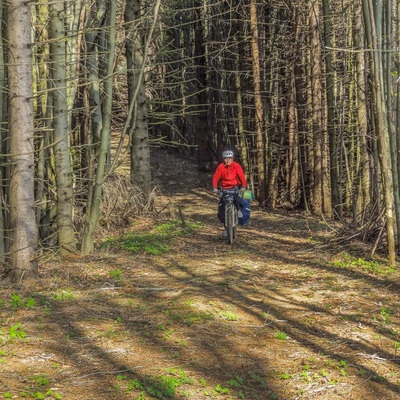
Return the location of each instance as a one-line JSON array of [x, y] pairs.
[[231, 214]]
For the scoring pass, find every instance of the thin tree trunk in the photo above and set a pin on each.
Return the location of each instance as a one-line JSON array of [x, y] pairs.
[[321, 194], [362, 119], [373, 24], [396, 165], [3, 113], [387, 85], [93, 215], [316, 102], [259, 113], [300, 88], [74, 14], [330, 99], [240, 118], [42, 145], [204, 154], [61, 137], [292, 159], [136, 57]]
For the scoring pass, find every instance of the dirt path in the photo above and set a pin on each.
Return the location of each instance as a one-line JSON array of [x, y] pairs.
[[275, 316]]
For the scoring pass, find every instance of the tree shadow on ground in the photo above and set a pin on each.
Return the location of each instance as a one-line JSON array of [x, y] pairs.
[[270, 317]]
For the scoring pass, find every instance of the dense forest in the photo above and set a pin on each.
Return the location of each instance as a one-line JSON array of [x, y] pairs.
[[305, 92]]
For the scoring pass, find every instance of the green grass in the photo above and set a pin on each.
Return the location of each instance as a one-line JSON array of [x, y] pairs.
[[64, 295], [116, 274], [155, 242], [229, 315], [372, 266], [281, 335], [18, 302], [308, 373], [159, 387], [220, 389], [16, 332], [38, 388], [385, 315], [284, 376], [40, 380]]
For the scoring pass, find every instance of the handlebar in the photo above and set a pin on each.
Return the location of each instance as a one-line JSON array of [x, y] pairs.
[[231, 191]]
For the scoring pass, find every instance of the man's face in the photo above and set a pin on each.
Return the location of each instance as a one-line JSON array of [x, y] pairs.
[[228, 161]]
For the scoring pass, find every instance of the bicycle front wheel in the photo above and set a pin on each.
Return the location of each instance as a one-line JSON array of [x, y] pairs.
[[230, 225]]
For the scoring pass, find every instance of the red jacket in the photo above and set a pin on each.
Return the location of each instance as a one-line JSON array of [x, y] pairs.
[[229, 176]]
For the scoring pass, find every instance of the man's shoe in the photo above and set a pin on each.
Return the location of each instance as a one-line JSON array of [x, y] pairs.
[[225, 233], [240, 214]]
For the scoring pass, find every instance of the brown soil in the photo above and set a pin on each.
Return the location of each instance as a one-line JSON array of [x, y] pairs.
[[281, 314]]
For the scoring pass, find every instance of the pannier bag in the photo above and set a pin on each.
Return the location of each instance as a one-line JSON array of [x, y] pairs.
[[245, 209]]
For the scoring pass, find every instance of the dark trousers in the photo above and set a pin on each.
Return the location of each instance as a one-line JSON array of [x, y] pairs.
[[221, 207]]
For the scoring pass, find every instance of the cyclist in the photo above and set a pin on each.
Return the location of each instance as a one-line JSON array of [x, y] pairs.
[[228, 175]]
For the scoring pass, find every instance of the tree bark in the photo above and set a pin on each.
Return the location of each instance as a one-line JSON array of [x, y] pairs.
[[61, 136], [204, 154], [136, 56], [93, 213], [372, 23], [330, 99], [3, 113], [362, 118], [23, 234], [259, 111], [320, 199]]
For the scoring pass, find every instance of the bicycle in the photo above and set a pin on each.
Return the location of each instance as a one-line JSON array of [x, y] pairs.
[[231, 212]]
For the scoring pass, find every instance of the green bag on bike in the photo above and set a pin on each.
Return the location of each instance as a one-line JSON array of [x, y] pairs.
[[248, 195]]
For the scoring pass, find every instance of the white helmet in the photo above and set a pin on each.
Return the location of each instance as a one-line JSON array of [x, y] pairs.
[[227, 154]]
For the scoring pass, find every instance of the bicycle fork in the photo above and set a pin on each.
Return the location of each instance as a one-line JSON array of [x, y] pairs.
[[231, 215]]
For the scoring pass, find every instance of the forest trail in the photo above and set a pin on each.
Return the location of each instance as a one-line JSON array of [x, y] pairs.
[[278, 315]]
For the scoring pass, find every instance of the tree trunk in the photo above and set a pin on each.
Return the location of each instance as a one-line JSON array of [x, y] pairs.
[[23, 231], [292, 156], [3, 113], [240, 118], [318, 130], [204, 154], [362, 118], [373, 25], [259, 113], [301, 108], [387, 85], [136, 57], [330, 99], [74, 16], [93, 214], [61, 137]]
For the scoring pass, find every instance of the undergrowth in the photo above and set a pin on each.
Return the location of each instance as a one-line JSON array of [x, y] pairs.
[[155, 242], [373, 266]]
